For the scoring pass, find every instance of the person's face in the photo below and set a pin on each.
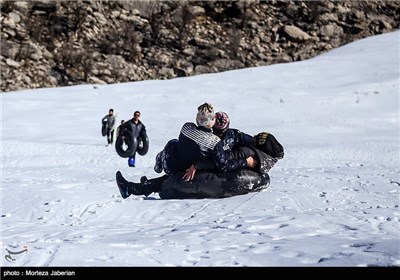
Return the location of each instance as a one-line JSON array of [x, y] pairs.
[[110, 113], [136, 116]]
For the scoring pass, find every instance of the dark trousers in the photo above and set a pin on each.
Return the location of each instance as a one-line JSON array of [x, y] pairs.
[[110, 136], [153, 185]]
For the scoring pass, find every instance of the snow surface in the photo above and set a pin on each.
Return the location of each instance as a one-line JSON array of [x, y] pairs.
[[333, 199]]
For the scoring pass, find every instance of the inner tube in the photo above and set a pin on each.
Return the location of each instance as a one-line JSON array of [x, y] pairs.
[[143, 145], [130, 141], [104, 129], [214, 185]]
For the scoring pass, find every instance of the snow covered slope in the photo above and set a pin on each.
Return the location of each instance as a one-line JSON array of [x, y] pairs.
[[333, 199]]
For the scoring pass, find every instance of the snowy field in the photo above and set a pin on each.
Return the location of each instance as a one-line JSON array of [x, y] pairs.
[[333, 199]]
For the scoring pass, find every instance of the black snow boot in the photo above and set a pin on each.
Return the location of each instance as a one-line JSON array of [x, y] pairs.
[[148, 186], [126, 188]]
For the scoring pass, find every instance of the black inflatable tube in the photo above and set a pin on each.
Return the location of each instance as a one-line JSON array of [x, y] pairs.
[[143, 145], [130, 141], [214, 185], [104, 129]]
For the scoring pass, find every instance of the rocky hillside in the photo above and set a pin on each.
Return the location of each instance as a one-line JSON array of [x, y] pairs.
[[59, 43]]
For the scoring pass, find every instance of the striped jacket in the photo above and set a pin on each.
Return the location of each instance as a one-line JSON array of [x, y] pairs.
[[195, 143]]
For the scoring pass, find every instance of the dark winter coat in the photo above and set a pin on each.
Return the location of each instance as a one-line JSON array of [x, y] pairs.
[[222, 157], [138, 129], [195, 143]]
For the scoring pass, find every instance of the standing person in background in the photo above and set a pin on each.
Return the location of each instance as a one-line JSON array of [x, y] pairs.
[[119, 127], [119, 130], [110, 122], [138, 129]]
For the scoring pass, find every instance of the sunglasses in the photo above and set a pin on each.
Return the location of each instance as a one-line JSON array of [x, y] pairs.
[[136, 115]]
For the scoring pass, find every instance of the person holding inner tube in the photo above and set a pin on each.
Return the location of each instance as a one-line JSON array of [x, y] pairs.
[[133, 133], [119, 127], [109, 121], [195, 142]]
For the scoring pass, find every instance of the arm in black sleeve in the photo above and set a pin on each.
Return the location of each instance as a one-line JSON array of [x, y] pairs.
[[247, 140], [143, 131], [240, 138], [143, 128]]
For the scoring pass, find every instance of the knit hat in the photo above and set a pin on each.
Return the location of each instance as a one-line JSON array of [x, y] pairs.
[[221, 122], [205, 115]]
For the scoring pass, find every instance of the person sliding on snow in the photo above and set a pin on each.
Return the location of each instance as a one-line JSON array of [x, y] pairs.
[[110, 121], [222, 157], [236, 150], [195, 142]]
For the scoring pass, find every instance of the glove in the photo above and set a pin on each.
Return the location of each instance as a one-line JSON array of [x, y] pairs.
[[261, 138], [267, 143]]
